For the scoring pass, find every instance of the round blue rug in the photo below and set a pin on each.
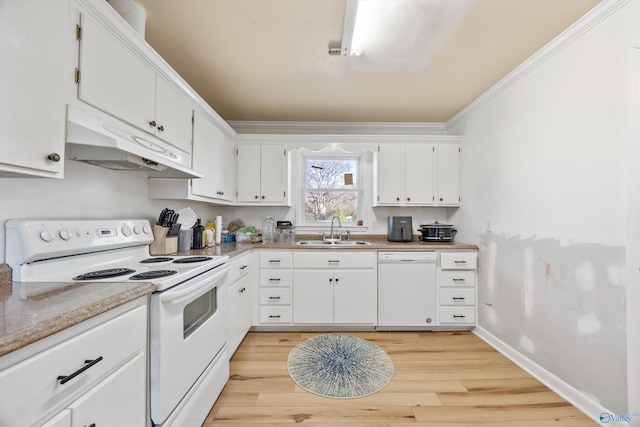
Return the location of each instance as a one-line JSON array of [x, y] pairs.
[[340, 366]]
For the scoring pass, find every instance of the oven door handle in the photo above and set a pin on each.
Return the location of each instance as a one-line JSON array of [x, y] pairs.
[[178, 296]]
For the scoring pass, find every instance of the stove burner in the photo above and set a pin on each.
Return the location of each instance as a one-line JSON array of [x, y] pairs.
[[155, 260], [192, 259], [104, 274], [155, 274]]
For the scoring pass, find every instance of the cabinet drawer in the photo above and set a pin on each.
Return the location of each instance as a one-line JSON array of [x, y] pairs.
[[276, 278], [457, 278], [240, 266], [34, 385], [462, 315], [276, 259], [334, 259], [458, 260], [462, 296], [275, 296], [275, 314]]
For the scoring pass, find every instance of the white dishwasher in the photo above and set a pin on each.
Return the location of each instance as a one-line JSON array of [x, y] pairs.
[[407, 290]]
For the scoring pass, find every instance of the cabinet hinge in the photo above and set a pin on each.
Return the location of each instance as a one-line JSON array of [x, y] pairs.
[[459, 150], [77, 76], [284, 152], [378, 148], [433, 149], [284, 194], [78, 32], [237, 152]]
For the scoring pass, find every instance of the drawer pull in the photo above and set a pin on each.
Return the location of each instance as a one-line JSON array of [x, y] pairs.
[[277, 279], [242, 290], [459, 280], [458, 298], [274, 297], [274, 316], [334, 260], [274, 260], [460, 262], [243, 267], [89, 363], [459, 316]]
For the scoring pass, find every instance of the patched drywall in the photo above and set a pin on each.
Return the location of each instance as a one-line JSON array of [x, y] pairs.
[[561, 305]]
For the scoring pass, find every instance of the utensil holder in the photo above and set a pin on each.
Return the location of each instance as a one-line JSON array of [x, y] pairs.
[[163, 245]]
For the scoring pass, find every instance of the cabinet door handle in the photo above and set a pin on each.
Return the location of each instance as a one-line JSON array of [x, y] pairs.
[[88, 363], [152, 123], [54, 157], [274, 298], [262, 197], [408, 199], [397, 199], [243, 267], [256, 196], [242, 290], [334, 260], [161, 128]]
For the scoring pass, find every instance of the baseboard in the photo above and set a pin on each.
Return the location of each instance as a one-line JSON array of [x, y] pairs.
[[584, 403]]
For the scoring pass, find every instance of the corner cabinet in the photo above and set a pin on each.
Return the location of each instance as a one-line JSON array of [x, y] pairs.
[[37, 62], [239, 300], [263, 175], [418, 173], [213, 155]]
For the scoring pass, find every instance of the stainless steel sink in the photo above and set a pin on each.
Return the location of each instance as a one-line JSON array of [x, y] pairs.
[[333, 243]]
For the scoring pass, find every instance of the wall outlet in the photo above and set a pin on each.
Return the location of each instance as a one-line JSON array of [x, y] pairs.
[[374, 225]]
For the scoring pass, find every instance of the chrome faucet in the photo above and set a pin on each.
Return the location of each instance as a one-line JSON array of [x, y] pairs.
[[339, 225]]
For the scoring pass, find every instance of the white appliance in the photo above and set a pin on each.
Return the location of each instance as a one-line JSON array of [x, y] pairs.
[[189, 326], [407, 290]]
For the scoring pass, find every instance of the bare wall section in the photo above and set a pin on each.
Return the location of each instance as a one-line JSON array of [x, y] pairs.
[[544, 197]]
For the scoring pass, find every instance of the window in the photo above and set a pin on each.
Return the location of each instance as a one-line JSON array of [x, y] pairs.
[[331, 188]]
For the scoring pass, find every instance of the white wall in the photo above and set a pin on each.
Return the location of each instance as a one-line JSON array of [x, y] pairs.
[[544, 198], [86, 192]]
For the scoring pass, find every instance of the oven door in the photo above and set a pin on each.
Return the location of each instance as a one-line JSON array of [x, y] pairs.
[[189, 325]]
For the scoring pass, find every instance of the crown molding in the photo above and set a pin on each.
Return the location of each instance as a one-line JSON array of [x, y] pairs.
[[575, 31], [338, 128]]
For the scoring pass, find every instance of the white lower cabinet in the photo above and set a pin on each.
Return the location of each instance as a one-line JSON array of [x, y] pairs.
[[86, 379], [457, 289], [334, 287], [239, 300], [274, 283]]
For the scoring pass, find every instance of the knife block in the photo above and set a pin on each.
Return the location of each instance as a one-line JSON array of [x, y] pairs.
[[163, 245]]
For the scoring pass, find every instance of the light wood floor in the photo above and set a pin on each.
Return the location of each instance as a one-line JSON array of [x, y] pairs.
[[441, 379]]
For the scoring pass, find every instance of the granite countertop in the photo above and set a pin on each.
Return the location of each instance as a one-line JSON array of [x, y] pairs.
[[378, 242], [33, 311]]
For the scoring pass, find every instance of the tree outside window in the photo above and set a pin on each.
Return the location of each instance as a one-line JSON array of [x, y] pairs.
[[331, 188]]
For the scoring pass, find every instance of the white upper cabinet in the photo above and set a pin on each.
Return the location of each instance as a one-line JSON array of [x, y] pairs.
[[213, 154], [263, 174], [448, 174], [36, 60], [417, 174], [116, 80]]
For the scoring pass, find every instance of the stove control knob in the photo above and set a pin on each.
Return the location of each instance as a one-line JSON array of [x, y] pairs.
[[65, 234], [146, 229], [126, 230], [46, 235], [137, 229]]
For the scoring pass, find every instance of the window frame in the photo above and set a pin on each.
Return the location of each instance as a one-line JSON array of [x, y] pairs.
[[301, 193]]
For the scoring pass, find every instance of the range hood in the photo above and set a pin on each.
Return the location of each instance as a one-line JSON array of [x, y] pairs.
[[101, 140]]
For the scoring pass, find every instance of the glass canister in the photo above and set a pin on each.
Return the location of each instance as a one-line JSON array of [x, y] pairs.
[[268, 230]]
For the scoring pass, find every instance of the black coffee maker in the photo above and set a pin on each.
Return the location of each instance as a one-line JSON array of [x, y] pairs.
[[399, 229]]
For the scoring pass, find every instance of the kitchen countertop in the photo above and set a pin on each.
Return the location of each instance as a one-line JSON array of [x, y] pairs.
[[378, 242], [32, 311]]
